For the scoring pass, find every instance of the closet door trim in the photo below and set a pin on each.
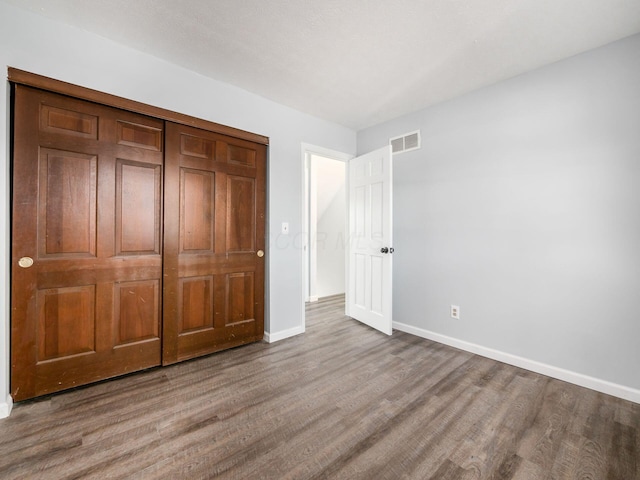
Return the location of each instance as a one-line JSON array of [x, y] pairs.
[[56, 86]]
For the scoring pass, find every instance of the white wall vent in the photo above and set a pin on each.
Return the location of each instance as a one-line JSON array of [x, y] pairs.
[[405, 143]]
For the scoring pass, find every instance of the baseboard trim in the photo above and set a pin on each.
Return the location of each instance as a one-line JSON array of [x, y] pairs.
[[277, 336], [5, 408], [313, 298], [603, 386]]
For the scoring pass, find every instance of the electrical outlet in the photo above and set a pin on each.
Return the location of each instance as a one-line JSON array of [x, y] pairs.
[[285, 228], [455, 312]]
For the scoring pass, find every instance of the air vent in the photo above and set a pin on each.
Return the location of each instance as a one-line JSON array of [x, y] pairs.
[[406, 142]]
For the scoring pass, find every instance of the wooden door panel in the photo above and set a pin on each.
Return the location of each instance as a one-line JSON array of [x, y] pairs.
[[214, 280], [240, 298], [66, 322], [197, 146], [137, 135], [240, 155], [68, 122], [138, 231], [197, 211], [137, 312], [67, 204], [87, 190], [241, 214], [196, 304]]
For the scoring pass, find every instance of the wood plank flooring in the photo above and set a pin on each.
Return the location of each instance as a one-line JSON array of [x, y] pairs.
[[341, 401]]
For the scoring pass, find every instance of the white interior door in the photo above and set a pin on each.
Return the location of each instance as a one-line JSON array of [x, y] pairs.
[[369, 295]]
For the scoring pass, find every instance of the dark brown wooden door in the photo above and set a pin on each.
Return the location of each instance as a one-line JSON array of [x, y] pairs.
[[87, 209], [214, 238]]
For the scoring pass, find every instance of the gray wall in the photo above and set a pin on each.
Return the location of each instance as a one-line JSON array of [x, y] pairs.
[[523, 208], [49, 48]]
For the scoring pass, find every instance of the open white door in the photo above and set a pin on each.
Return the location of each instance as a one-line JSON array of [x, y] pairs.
[[369, 257]]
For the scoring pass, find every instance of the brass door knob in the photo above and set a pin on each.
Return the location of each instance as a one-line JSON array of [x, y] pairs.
[[260, 253], [25, 262]]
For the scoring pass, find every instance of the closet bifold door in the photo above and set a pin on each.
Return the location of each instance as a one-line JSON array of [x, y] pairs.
[[86, 243], [214, 240]]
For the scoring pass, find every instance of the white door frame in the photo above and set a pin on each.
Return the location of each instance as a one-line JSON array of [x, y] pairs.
[[306, 151]]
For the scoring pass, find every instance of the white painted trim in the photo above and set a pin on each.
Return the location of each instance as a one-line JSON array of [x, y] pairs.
[[311, 226], [5, 408], [306, 187], [620, 391], [313, 298], [277, 336]]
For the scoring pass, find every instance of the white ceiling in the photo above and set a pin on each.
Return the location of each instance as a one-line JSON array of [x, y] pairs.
[[354, 62]]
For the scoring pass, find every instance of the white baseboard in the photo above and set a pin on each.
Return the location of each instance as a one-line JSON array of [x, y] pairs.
[[313, 298], [277, 336], [5, 408], [586, 381]]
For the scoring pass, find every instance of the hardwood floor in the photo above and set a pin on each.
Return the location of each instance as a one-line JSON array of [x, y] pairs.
[[341, 401]]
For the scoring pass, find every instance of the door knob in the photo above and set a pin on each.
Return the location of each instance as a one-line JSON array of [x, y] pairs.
[[391, 250], [384, 250], [25, 262], [260, 253]]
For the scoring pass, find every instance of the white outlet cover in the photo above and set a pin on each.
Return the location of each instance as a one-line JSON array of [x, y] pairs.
[[455, 312], [285, 228]]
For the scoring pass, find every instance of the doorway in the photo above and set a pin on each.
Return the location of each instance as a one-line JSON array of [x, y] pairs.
[[366, 242], [325, 221]]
